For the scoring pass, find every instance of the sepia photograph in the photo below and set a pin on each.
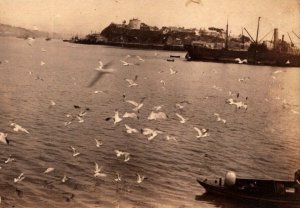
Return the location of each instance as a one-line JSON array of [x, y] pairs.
[[150, 104]]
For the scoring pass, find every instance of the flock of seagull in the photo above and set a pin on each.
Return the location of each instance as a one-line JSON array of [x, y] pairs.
[[155, 114]]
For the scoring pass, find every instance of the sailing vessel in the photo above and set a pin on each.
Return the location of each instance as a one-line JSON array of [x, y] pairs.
[[281, 53]]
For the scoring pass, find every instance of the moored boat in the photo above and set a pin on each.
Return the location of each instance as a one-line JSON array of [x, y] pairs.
[[275, 192]]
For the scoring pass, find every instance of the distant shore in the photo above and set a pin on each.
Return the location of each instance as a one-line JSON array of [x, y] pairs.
[[131, 45]]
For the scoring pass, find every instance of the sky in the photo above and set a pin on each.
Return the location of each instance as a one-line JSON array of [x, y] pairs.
[[84, 16]]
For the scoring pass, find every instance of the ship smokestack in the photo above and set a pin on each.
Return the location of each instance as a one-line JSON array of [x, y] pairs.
[[275, 37], [282, 38]]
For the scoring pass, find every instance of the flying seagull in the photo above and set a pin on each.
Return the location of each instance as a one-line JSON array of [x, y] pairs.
[[140, 178], [130, 115], [10, 159], [131, 82], [192, 1], [138, 106], [48, 170], [157, 115], [97, 172], [75, 152], [118, 177], [101, 70], [201, 133], [98, 143], [130, 130], [152, 133], [172, 71], [126, 63], [219, 118], [183, 120], [3, 138], [20, 178], [18, 128], [116, 118]]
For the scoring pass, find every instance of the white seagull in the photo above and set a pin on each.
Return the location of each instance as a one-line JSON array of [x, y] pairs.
[[130, 115], [138, 106], [163, 83], [219, 118], [65, 178], [139, 58], [157, 116], [20, 178], [168, 138], [140, 178], [126, 155], [172, 72], [52, 103], [238, 60], [80, 120], [152, 133], [10, 159], [183, 120], [130, 130], [158, 107], [126, 63], [116, 118], [131, 82], [98, 143], [3, 138], [201, 133], [102, 69], [238, 105], [277, 71], [97, 172], [118, 179], [75, 153], [49, 170], [30, 41], [18, 128]]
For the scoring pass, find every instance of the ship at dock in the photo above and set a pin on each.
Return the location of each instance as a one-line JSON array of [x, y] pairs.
[[277, 52]]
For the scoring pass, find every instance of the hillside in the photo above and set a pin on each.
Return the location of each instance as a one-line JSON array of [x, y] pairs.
[[8, 30]]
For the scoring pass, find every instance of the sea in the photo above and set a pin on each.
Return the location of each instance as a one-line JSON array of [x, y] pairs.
[[44, 88]]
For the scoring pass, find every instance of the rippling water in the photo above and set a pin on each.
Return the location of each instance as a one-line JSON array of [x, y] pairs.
[[262, 142]]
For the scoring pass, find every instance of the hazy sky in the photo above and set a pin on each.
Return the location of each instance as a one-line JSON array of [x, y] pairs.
[[83, 16]]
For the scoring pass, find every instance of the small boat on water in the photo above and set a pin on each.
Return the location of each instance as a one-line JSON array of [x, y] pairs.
[[174, 56], [170, 59], [271, 192]]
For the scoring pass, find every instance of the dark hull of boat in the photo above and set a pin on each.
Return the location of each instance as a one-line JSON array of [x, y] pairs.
[[269, 58], [277, 200]]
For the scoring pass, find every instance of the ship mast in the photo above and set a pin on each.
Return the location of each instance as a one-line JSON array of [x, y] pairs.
[[226, 38], [256, 41]]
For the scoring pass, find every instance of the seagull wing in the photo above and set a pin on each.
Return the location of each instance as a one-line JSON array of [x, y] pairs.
[[132, 103], [179, 116], [97, 169], [131, 82], [124, 62], [198, 131], [100, 65], [127, 127]]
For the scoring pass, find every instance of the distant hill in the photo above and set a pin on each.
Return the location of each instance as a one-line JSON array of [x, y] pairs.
[[8, 30]]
